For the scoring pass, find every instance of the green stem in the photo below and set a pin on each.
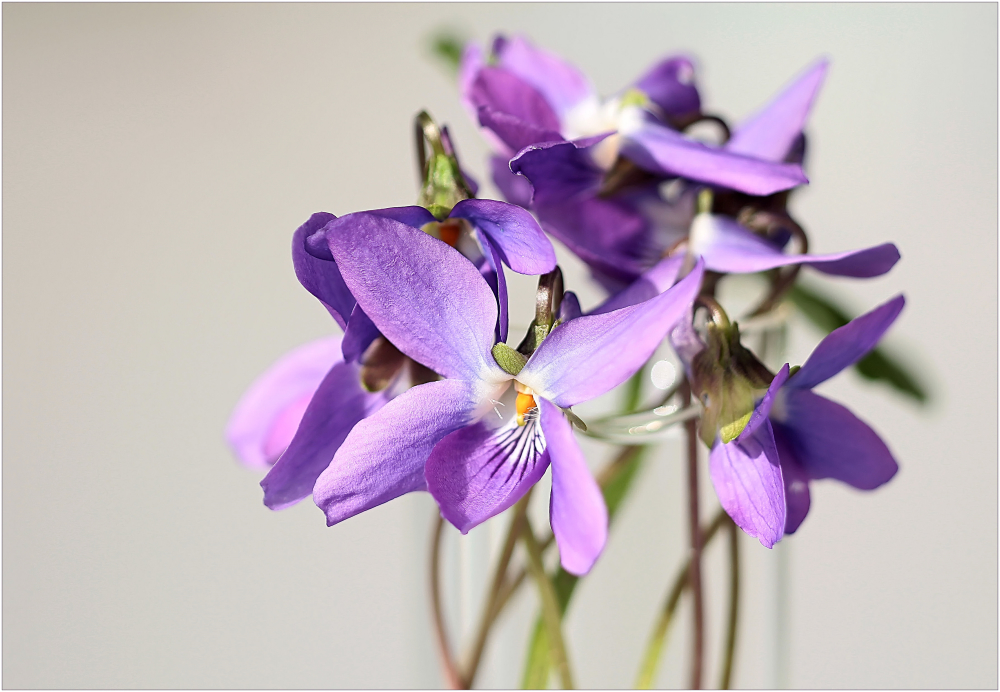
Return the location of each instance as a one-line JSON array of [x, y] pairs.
[[550, 606], [734, 604], [694, 570], [494, 604], [452, 676], [658, 638]]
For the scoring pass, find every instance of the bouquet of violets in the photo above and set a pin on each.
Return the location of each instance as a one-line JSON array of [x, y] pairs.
[[426, 389]]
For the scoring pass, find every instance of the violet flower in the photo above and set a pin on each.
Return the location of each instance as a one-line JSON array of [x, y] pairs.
[[794, 435], [621, 226], [460, 437], [277, 415]]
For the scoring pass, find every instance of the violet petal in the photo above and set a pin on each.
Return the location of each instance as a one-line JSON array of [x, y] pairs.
[[747, 480], [670, 85], [512, 231], [268, 414], [797, 499], [562, 85], [577, 511], [321, 277], [384, 455]]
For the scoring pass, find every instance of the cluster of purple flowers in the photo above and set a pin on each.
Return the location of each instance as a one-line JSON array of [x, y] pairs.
[[422, 391]]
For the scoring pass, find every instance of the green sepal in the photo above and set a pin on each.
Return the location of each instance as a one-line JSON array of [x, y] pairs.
[[877, 365], [508, 359], [728, 380], [574, 419], [447, 47], [443, 186]]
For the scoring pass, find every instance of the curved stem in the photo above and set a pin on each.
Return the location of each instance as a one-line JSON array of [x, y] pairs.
[[452, 676], [657, 639], [551, 612], [694, 571], [734, 604], [493, 604]]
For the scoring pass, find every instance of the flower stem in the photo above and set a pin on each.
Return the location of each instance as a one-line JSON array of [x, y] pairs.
[[451, 673], [494, 604], [657, 639], [551, 611], [694, 571], [734, 604]]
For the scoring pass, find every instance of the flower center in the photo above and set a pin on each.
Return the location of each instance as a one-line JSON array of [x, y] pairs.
[[525, 401]]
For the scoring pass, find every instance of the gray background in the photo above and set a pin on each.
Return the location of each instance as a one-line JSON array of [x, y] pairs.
[[156, 159]]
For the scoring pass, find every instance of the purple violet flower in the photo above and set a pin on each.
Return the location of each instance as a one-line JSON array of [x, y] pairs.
[[478, 439], [302, 408], [794, 435], [620, 227]]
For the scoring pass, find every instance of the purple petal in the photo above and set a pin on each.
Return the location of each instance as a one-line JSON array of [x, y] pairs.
[[763, 407], [796, 480], [412, 216], [670, 85], [577, 512], [747, 480], [512, 231], [493, 259], [267, 415], [321, 277], [831, 442], [514, 132], [662, 150], [360, 334], [425, 297], [560, 171], [590, 355], [569, 309], [384, 455], [338, 405], [479, 471], [652, 283], [504, 92], [468, 68], [771, 133], [729, 247], [562, 85], [847, 345], [515, 188]]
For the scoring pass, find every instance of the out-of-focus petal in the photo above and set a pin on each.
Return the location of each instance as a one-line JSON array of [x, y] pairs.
[[796, 480], [468, 67], [384, 455], [560, 171], [562, 85], [661, 150], [747, 480], [512, 231], [336, 407], [831, 442], [267, 415], [847, 345], [514, 132], [395, 271], [670, 85], [577, 512], [321, 277], [729, 247], [771, 133], [590, 355], [360, 334], [505, 92], [763, 407], [652, 283], [515, 188], [479, 471]]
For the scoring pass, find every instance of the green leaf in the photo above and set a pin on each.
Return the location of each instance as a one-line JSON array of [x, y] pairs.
[[538, 663], [447, 46], [879, 365]]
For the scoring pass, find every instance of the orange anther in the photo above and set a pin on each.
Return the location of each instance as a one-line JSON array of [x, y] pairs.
[[449, 231], [523, 404]]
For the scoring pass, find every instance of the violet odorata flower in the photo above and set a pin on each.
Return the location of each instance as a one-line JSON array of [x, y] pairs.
[[460, 437]]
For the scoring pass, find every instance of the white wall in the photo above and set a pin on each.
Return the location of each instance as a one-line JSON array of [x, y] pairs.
[[156, 159]]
